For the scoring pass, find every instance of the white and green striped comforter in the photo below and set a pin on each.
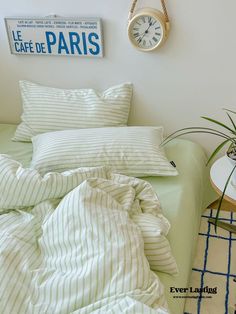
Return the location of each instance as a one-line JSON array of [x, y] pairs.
[[80, 253]]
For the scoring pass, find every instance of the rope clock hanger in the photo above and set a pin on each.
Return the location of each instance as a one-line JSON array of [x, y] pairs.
[[148, 28]]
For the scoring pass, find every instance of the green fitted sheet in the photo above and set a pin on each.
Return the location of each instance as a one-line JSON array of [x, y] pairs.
[[183, 198]]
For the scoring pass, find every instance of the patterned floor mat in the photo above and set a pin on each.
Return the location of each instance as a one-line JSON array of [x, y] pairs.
[[213, 281]]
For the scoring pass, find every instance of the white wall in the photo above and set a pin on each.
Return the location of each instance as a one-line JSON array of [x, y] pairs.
[[192, 75]]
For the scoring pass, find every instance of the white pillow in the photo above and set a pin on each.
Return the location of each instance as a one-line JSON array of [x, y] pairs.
[[23, 187], [132, 151], [156, 246], [50, 109]]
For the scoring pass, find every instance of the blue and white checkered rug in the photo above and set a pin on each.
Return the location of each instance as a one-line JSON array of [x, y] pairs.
[[214, 270]]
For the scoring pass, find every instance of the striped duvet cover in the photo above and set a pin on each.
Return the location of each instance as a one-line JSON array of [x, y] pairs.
[[80, 253]]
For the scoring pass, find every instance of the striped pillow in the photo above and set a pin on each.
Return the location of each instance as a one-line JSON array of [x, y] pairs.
[[156, 246], [50, 109], [23, 187], [128, 150]]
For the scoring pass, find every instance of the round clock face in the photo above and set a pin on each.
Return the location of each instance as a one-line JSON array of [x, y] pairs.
[[146, 32]]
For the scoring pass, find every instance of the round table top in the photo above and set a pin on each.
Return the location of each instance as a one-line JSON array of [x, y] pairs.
[[219, 174]]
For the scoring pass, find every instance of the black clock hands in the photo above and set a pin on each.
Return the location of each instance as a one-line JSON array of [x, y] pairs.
[[150, 24], [146, 32]]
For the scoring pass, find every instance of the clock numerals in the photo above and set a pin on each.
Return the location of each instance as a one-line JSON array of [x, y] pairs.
[[146, 32]]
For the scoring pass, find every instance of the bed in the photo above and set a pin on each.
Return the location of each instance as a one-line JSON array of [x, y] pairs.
[[182, 198]]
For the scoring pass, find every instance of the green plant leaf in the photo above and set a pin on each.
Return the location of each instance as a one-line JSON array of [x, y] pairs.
[[197, 128], [222, 197], [216, 151], [189, 131], [232, 121], [229, 110], [219, 123]]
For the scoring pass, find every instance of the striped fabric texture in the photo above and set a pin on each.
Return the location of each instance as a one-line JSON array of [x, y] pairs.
[[156, 246], [153, 225], [22, 187], [49, 109], [82, 254], [132, 151]]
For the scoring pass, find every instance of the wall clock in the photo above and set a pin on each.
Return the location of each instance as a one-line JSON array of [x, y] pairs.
[[148, 28]]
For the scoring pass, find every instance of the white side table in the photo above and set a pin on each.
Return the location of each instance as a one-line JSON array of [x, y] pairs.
[[219, 174]]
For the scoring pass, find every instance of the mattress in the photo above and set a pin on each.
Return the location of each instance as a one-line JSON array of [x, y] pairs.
[[183, 198]]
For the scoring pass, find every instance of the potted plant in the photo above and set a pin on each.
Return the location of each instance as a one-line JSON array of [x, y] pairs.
[[231, 154], [228, 133]]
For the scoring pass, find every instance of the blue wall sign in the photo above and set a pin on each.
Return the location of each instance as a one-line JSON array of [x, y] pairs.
[[80, 37]]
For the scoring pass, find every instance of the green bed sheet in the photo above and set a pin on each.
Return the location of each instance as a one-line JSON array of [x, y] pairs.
[[182, 197]]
